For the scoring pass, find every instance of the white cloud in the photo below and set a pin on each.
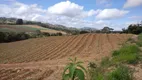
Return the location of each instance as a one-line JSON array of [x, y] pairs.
[[63, 13], [106, 3], [20, 10], [102, 1], [70, 9], [132, 3], [111, 14], [136, 17]]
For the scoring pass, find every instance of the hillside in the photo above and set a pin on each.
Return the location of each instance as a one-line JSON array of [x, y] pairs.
[[27, 28]]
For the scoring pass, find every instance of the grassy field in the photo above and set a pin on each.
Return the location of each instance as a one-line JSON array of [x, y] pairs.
[[26, 28]]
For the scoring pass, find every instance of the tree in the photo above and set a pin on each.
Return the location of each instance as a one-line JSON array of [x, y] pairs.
[[107, 30], [83, 32], [19, 21], [135, 29]]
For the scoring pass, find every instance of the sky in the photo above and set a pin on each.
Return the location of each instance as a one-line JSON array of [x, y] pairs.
[[116, 14]]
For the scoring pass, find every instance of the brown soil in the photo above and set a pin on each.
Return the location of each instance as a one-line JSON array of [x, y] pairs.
[[48, 56]]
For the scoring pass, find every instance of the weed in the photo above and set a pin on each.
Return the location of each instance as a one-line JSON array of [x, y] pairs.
[[120, 73], [95, 73], [128, 53], [105, 62], [115, 53], [139, 42]]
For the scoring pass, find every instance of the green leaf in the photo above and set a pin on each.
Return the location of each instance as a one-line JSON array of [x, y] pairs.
[[66, 77], [72, 70], [79, 62], [75, 59], [70, 59], [82, 67], [67, 67], [79, 74]]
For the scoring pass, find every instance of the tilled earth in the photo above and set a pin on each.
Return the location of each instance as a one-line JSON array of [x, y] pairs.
[[45, 58]]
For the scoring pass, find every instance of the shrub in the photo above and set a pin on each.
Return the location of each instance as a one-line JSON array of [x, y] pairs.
[[59, 34], [2, 36], [105, 62], [83, 32], [139, 42], [75, 71], [120, 73], [128, 53], [95, 73], [115, 53]]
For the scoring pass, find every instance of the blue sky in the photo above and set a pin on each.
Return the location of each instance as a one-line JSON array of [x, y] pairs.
[[116, 14]]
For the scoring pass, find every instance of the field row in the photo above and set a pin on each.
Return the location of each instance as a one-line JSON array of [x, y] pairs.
[[17, 74], [86, 45]]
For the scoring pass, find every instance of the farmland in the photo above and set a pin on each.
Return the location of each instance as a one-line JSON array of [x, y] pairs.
[[46, 57], [26, 28]]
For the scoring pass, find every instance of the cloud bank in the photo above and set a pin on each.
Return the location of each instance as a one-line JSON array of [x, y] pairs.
[[132, 3], [65, 13]]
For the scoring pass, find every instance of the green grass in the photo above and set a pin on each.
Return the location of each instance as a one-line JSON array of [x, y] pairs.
[[30, 28], [139, 42], [120, 73], [94, 72], [128, 54], [8, 30], [21, 28], [106, 62]]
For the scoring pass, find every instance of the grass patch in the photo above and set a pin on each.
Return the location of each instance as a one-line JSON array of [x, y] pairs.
[[139, 42], [128, 53], [120, 73], [95, 72], [110, 73], [7, 30], [105, 62]]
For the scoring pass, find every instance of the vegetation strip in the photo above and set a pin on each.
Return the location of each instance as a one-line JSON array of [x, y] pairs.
[[114, 68]]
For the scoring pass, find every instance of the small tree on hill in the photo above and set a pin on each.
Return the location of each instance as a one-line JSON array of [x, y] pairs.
[[107, 30], [19, 21]]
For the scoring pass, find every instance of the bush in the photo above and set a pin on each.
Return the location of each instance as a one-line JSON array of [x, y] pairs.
[[128, 53], [12, 36], [105, 62], [115, 53], [120, 73], [135, 29], [95, 73], [139, 42], [59, 34], [83, 32], [2, 36]]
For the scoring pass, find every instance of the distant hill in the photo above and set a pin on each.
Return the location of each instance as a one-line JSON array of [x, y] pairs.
[[27, 28], [60, 28]]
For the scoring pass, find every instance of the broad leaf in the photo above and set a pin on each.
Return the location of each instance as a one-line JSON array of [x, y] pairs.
[[79, 74], [72, 70], [67, 67], [79, 62], [82, 67], [66, 77]]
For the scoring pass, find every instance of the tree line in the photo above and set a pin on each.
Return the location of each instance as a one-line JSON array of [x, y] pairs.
[[14, 36]]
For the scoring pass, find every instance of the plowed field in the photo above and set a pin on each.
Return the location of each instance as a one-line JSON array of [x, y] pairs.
[[45, 58]]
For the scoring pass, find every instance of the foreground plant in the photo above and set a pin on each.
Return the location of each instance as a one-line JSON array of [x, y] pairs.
[[74, 70], [121, 73]]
